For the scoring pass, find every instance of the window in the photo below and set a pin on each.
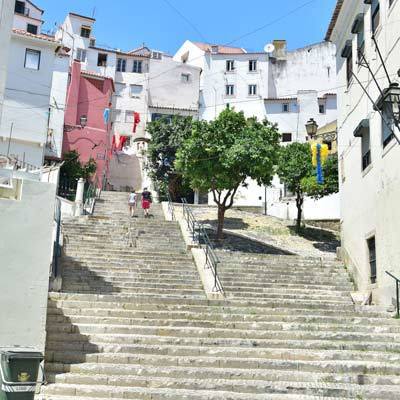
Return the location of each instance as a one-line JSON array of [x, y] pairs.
[[230, 65], [230, 90], [387, 125], [85, 31], [81, 55], [375, 15], [285, 107], [32, 29], [129, 116], [321, 108], [119, 89], [137, 67], [328, 143], [347, 53], [102, 60], [286, 137], [32, 59], [156, 55], [185, 78], [121, 65], [136, 90], [372, 258], [253, 66], [20, 8], [286, 191], [117, 115], [252, 90]]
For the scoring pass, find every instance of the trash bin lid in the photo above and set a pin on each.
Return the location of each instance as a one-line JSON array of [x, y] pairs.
[[20, 352]]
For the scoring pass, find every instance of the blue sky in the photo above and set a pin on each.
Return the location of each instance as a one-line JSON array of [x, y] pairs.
[[126, 24]]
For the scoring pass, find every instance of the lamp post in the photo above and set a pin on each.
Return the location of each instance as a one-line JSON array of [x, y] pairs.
[[83, 121], [311, 128]]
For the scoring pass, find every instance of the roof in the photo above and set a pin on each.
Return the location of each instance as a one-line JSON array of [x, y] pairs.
[[91, 74], [34, 5], [82, 16], [221, 48], [47, 38], [123, 53], [334, 19], [143, 51], [281, 99], [173, 108], [328, 128]]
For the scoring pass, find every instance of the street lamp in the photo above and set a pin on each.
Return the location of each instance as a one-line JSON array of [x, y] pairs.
[[312, 128], [389, 102], [83, 121]]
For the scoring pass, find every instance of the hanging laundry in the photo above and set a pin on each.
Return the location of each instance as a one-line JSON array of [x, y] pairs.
[[136, 120], [106, 116], [320, 153]]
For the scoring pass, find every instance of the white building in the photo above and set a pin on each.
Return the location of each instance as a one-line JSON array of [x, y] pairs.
[[368, 150], [33, 115], [286, 87], [6, 18], [147, 82]]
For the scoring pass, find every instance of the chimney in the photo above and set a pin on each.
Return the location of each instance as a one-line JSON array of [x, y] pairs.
[[280, 49], [214, 49]]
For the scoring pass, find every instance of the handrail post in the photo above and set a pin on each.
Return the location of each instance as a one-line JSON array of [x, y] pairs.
[[397, 299]]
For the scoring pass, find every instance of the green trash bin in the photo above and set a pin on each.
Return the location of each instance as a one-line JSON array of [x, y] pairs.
[[19, 370]]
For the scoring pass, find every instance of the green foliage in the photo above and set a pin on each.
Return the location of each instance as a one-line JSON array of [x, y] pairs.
[[220, 155], [74, 169], [331, 180], [166, 138]]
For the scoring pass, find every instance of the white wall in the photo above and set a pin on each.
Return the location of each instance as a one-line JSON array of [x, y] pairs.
[[25, 264], [369, 199], [6, 18], [27, 100]]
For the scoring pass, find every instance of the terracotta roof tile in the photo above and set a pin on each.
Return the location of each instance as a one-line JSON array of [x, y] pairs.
[[221, 49], [334, 19], [42, 37]]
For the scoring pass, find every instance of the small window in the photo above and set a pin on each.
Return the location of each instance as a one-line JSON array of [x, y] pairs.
[[185, 78], [136, 90], [156, 55], [137, 67], [365, 149], [32, 29], [328, 143], [102, 60], [129, 116], [253, 66], [286, 137], [375, 15], [121, 65], [285, 107], [372, 258], [20, 7], [32, 59], [387, 125], [321, 108], [81, 55], [117, 115], [230, 65], [85, 32], [347, 53], [230, 90], [252, 90], [119, 89]]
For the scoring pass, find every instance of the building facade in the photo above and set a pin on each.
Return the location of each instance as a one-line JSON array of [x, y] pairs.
[[286, 87], [33, 107], [367, 36]]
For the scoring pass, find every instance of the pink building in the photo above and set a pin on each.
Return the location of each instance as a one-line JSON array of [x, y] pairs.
[[85, 130]]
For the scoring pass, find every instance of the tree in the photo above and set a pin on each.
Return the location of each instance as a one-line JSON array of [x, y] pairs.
[[166, 138], [220, 155], [73, 169], [296, 171]]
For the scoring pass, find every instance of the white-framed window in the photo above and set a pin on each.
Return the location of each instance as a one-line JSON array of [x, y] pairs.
[[32, 29], [252, 90], [136, 90], [321, 107], [185, 78], [121, 64], [285, 107], [117, 115], [230, 65], [81, 55], [129, 116], [230, 90], [252, 65], [102, 60], [137, 66], [119, 89], [86, 31], [32, 59], [156, 55]]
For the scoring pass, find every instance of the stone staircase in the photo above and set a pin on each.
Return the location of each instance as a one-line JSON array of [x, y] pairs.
[[132, 322]]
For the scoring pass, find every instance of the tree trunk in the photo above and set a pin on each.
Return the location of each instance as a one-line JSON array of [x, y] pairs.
[[299, 205], [221, 218]]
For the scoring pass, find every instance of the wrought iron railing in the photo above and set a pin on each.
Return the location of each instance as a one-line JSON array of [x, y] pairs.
[[57, 244], [67, 187], [199, 235], [171, 207], [397, 293]]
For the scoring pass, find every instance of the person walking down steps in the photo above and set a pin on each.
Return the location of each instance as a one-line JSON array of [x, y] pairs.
[[146, 202], [132, 203]]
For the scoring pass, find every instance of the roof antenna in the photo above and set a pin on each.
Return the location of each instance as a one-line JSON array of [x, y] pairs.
[[93, 12]]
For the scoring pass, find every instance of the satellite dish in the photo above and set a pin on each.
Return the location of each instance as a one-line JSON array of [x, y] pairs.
[[269, 48]]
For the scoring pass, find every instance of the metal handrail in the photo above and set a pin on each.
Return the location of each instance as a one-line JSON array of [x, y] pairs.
[[397, 292], [57, 245], [171, 208], [199, 234]]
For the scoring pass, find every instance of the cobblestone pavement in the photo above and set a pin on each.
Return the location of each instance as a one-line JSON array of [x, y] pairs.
[[250, 232]]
